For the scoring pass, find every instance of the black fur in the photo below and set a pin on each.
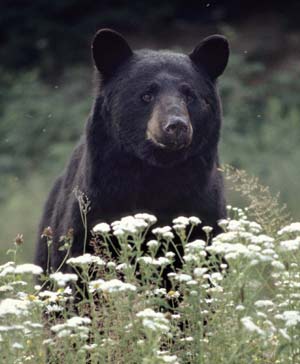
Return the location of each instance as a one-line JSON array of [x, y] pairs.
[[122, 172]]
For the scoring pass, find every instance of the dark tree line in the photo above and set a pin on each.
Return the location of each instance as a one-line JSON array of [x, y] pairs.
[[54, 33]]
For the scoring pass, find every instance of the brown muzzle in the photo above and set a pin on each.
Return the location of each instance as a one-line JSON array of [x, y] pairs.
[[170, 126]]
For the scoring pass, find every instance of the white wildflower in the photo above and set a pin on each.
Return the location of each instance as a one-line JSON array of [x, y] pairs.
[[156, 325], [89, 347], [10, 306], [262, 239], [223, 223], [216, 276], [7, 268], [28, 268], [6, 288], [290, 245], [77, 321], [152, 261], [270, 252], [207, 229], [195, 246], [172, 359], [192, 282], [154, 321], [17, 346], [264, 303], [278, 265], [182, 277], [179, 228], [194, 220], [151, 219], [64, 333], [111, 265], [95, 285], [112, 286], [199, 272], [161, 230], [160, 291], [168, 235], [63, 278], [130, 225], [85, 260], [49, 342], [54, 308], [7, 264], [11, 328], [152, 244], [163, 261], [292, 228], [254, 227], [119, 233], [49, 296], [122, 266], [72, 323], [149, 313], [261, 314], [187, 339], [251, 326], [102, 228], [236, 225], [181, 220], [19, 283], [291, 318]]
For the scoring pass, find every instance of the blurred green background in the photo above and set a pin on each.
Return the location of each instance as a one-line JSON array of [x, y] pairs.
[[46, 89]]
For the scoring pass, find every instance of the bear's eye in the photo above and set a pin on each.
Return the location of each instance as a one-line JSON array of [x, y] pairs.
[[188, 93], [147, 97]]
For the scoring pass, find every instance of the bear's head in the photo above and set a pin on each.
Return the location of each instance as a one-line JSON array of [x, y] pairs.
[[161, 106]]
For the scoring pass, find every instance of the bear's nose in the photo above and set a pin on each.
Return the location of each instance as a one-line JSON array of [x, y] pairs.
[[176, 126]]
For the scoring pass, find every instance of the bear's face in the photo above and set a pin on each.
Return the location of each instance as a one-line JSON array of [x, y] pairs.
[[161, 106]]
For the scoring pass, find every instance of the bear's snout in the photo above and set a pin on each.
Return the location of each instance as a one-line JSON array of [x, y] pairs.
[[178, 132], [169, 126]]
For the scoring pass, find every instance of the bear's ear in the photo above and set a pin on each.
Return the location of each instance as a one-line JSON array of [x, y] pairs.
[[212, 54], [109, 50]]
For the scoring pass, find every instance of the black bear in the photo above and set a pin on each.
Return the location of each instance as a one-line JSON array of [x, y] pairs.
[[150, 142]]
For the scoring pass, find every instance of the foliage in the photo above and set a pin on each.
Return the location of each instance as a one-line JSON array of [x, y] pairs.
[[52, 34], [40, 122], [261, 129], [263, 207], [247, 313]]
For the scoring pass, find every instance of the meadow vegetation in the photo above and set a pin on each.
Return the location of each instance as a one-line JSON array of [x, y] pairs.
[[245, 309]]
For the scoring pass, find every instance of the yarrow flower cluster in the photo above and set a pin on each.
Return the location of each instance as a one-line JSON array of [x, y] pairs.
[[153, 321], [131, 225], [10, 306], [112, 286], [63, 278], [73, 327], [86, 260], [12, 268]]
